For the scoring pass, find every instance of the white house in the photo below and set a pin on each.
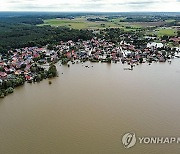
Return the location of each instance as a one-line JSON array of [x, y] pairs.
[[154, 44]]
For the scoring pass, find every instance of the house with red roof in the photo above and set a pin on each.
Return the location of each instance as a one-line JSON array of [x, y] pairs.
[[3, 75]]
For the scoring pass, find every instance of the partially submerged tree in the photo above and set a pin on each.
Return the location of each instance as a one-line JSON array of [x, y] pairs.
[[52, 71]]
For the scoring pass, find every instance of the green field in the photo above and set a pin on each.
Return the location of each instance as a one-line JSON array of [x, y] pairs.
[[65, 22], [168, 32], [161, 32], [82, 23], [170, 20]]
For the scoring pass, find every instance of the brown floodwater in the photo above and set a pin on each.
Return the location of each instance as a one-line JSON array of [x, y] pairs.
[[88, 110]]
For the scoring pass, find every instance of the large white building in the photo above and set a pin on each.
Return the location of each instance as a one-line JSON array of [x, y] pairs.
[[155, 45]]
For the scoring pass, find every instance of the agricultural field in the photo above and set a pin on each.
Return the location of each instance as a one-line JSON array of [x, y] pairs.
[[162, 31], [167, 31], [83, 23]]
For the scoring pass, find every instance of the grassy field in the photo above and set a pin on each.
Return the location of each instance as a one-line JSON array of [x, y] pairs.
[[82, 23], [78, 23], [161, 32], [168, 32], [170, 20]]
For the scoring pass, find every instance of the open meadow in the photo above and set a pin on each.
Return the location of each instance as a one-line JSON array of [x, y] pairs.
[[83, 23]]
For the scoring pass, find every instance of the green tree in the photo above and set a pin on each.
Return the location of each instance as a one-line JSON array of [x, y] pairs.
[[52, 71]]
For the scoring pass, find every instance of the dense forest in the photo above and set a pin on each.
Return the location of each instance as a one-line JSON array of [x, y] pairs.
[[96, 19], [158, 18]]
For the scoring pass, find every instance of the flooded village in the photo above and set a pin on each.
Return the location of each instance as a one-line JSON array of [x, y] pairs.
[[33, 64], [78, 83]]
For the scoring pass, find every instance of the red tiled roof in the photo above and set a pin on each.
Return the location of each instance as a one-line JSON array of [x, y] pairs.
[[175, 39], [3, 74]]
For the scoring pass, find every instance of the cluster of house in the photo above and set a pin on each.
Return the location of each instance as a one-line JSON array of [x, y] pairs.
[[175, 39], [19, 61], [91, 49], [102, 50]]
